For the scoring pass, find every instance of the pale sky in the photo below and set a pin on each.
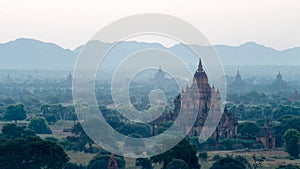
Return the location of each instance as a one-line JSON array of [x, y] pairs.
[[70, 23]]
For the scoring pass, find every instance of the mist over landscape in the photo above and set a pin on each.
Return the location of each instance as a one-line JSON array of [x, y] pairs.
[[34, 54]]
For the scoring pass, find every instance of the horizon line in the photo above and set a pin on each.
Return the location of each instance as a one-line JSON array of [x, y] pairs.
[[78, 46]]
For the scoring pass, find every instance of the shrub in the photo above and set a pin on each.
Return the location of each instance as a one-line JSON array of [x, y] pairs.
[[203, 155]]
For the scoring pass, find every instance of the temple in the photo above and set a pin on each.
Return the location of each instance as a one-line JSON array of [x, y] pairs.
[[294, 97], [112, 163], [238, 82], [266, 137], [202, 98], [279, 84]]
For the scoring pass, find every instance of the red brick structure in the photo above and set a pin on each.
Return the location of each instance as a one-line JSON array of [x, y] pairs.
[[112, 163], [266, 137], [204, 99]]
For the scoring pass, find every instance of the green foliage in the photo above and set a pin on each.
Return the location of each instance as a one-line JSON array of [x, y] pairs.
[[217, 157], [248, 129], [31, 152], [184, 151], [73, 143], [11, 131], [101, 161], [55, 112], [15, 112], [203, 155], [177, 164], [78, 142], [254, 105], [291, 141], [82, 136], [144, 163], [230, 163], [285, 122], [39, 125], [209, 144], [51, 119], [289, 166], [230, 144], [136, 129], [53, 139], [285, 109]]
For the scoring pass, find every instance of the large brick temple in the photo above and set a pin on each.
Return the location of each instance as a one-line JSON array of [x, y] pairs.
[[204, 99]]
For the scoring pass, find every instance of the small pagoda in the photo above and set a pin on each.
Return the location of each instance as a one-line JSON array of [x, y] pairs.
[[112, 163]]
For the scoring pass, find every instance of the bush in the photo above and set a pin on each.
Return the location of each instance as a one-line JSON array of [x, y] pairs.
[[231, 144], [216, 157], [39, 126], [203, 155], [73, 166], [291, 141], [289, 166], [231, 163], [177, 164], [101, 161]]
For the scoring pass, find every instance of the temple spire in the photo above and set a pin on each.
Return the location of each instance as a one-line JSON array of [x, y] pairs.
[[200, 67], [279, 76], [112, 163]]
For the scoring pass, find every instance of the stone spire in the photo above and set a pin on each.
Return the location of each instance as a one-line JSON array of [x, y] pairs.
[[200, 67], [238, 74], [279, 76]]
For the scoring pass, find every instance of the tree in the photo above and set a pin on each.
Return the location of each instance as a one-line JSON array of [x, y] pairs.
[[144, 163], [136, 128], [101, 161], [31, 152], [83, 138], [11, 131], [291, 141], [203, 155], [15, 112], [39, 125], [183, 151], [51, 119], [289, 166], [57, 110], [74, 118], [248, 129], [286, 122], [177, 164], [228, 163]]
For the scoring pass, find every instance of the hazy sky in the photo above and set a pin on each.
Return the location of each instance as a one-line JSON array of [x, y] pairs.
[[70, 23]]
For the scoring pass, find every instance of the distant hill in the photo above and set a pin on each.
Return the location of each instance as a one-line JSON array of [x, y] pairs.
[[33, 54], [252, 53]]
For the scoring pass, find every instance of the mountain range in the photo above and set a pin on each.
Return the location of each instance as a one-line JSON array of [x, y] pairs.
[[33, 54]]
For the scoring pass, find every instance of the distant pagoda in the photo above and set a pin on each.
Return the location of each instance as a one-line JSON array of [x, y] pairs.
[[266, 137], [112, 163], [294, 97], [161, 79], [238, 82], [279, 84]]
